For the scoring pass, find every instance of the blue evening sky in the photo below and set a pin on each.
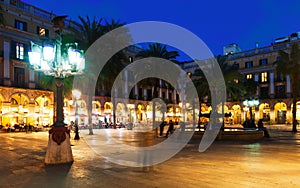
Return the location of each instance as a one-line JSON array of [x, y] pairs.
[[216, 22]]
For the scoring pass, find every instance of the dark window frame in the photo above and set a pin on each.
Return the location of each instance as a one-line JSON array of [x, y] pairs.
[[248, 64], [21, 25]]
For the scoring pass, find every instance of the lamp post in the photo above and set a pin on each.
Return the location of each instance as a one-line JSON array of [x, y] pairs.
[[48, 58], [251, 103], [76, 93]]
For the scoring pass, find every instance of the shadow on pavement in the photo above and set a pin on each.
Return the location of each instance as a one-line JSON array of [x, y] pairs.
[[56, 174]]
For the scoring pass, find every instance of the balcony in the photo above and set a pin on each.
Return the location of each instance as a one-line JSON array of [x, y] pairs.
[[37, 12], [266, 49]]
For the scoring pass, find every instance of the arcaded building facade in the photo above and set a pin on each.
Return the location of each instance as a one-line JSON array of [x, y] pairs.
[[22, 101]]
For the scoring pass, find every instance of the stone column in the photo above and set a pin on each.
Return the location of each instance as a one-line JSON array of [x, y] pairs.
[[272, 92], [174, 95], [6, 62], [31, 79], [167, 94], [256, 80], [160, 88], [145, 94], [136, 92], [288, 86], [126, 82]]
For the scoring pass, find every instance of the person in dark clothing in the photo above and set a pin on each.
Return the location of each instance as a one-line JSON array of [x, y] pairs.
[[252, 124], [260, 126], [171, 128], [161, 128], [245, 124]]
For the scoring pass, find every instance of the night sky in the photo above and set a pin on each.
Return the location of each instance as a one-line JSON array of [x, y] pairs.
[[217, 23]]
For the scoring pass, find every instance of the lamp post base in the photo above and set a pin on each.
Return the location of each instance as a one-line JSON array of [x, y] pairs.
[[59, 147]]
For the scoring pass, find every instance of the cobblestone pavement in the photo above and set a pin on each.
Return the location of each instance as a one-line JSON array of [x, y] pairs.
[[271, 162]]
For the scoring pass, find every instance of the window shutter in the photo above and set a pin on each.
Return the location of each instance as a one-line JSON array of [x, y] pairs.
[[13, 49]]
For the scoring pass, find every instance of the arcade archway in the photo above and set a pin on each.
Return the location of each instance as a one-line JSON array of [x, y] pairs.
[[280, 110]]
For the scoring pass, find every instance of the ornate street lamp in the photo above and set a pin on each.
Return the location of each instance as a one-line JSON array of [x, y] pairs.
[[48, 58], [251, 103], [76, 93]]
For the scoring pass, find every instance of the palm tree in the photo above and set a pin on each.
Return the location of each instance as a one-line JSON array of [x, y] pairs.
[[114, 65], [237, 85], [160, 51], [92, 30], [48, 83], [288, 64], [234, 81], [112, 24]]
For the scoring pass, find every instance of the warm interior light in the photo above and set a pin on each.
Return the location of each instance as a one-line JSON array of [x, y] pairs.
[[76, 93]]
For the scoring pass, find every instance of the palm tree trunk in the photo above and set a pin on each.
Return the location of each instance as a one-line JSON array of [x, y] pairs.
[[90, 106], [295, 94], [199, 115], [114, 112], [294, 114]]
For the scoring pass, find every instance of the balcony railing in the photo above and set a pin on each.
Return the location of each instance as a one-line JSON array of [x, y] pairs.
[[30, 9], [266, 49]]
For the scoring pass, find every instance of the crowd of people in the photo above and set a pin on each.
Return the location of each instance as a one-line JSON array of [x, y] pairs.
[[22, 128]]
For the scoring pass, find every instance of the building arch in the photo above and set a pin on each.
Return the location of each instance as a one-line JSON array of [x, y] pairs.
[[237, 114], [96, 107], [108, 107], [297, 110], [140, 112], [121, 113], [19, 98], [280, 110], [264, 111]]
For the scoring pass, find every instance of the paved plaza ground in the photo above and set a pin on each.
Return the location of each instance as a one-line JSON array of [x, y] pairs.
[[270, 162]]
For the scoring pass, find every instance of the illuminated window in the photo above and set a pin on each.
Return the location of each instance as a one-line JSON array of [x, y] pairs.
[[130, 59], [19, 51], [264, 77], [42, 32], [249, 76]]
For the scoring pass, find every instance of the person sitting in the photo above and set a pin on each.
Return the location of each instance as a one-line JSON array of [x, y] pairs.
[[245, 124], [260, 126]]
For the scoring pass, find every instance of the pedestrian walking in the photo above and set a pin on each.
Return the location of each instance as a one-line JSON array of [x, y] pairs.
[[161, 128], [171, 128]]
